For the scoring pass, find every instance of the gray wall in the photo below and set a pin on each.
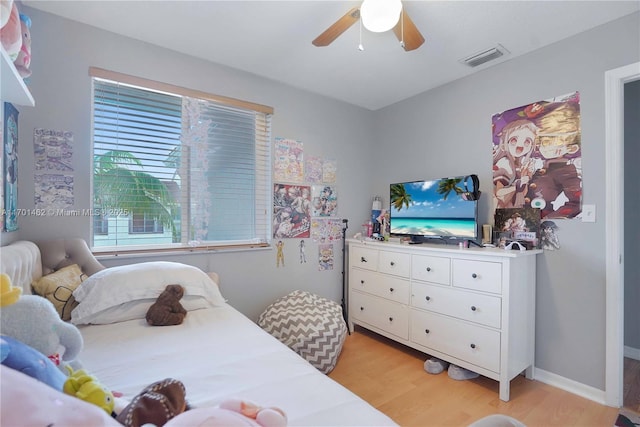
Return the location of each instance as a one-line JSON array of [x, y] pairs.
[[443, 132], [447, 131], [64, 50], [631, 216]]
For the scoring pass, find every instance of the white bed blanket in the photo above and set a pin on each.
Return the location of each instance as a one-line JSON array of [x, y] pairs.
[[219, 353]]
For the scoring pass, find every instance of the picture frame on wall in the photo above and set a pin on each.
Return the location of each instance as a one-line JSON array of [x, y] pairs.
[[521, 224], [10, 167]]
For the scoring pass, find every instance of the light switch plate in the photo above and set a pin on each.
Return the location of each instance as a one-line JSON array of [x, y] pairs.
[[588, 213]]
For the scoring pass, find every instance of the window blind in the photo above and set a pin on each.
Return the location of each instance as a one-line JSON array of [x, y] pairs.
[[189, 171]]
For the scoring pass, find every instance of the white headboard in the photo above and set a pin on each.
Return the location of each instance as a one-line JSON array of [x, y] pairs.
[[22, 262]]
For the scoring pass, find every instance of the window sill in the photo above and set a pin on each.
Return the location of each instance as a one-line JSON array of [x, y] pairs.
[[138, 252]]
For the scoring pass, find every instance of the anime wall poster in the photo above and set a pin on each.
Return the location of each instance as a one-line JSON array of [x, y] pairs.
[[537, 159], [291, 211], [326, 230], [288, 160], [10, 167], [324, 200], [325, 257]]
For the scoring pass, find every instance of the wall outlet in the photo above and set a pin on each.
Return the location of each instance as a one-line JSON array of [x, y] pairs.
[[588, 213]]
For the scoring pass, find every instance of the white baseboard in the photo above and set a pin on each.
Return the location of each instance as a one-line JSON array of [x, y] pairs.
[[571, 386], [632, 353]]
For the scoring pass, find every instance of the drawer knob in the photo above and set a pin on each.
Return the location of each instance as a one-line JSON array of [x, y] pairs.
[[392, 263], [391, 289], [473, 308], [363, 259], [362, 282], [473, 345], [474, 275], [390, 319], [361, 308], [426, 331], [428, 268], [428, 298]]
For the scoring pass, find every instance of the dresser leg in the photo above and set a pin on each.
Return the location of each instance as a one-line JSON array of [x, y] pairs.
[[504, 390]]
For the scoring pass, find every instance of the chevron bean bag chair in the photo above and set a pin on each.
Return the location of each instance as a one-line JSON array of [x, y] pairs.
[[310, 325]]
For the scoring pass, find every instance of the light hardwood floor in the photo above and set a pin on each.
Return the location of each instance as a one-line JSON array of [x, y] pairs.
[[391, 377], [631, 387]]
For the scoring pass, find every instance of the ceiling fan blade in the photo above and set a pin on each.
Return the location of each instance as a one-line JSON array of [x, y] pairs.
[[412, 37], [339, 27]]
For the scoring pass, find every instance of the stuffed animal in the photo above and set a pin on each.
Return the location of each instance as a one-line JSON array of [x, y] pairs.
[[167, 309], [231, 413], [87, 387], [19, 356], [10, 36], [34, 321], [23, 60], [9, 294], [155, 404]]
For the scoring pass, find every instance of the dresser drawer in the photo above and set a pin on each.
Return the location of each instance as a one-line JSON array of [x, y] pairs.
[[477, 308], [477, 275], [364, 258], [431, 269], [394, 263], [383, 314], [389, 287], [473, 344]]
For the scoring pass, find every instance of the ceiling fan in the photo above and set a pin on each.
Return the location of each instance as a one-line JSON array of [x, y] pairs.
[[376, 16]]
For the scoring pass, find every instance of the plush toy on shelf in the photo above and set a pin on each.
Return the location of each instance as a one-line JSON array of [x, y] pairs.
[[23, 61], [10, 36]]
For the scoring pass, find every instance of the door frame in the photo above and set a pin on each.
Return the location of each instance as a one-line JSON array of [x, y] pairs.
[[614, 228]]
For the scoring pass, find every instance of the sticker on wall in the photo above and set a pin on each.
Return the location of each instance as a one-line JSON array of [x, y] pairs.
[[291, 211], [325, 257], [279, 253], [537, 160], [288, 160], [324, 200]]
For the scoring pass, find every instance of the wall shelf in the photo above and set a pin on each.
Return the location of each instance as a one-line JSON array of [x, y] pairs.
[[13, 88]]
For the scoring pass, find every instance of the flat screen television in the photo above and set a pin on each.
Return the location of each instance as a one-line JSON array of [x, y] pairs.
[[433, 209]]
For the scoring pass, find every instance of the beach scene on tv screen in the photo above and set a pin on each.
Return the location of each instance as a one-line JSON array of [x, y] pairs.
[[432, 208]]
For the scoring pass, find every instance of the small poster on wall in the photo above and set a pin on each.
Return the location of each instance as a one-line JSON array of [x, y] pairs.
[[288, 160], [10, 165], [521, 224], [537, 160], [291, 211]]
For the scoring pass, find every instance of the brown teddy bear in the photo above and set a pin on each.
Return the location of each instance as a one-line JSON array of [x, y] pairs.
[[167, 309]]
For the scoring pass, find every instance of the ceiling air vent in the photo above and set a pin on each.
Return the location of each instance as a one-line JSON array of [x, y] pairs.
[[485, 56]]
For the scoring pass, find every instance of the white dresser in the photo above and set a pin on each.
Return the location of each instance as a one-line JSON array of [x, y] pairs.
[[471, 307]]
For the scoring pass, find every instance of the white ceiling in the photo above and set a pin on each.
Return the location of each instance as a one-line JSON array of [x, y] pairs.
[[273, 38]]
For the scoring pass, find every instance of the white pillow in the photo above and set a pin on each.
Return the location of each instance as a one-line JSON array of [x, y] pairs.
[[112, 287]]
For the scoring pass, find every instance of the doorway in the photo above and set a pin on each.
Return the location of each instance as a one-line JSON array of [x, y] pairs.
[[614, 228]]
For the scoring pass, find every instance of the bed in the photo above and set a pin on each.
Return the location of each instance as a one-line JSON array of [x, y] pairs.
[[217, 352]]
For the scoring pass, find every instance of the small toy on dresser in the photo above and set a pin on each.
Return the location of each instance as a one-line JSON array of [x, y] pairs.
[[167, 309]]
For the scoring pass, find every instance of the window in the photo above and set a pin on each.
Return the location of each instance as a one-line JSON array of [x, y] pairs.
[[177, 168]]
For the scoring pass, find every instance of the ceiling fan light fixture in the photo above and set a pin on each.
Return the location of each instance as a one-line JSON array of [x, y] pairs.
[[379, 16]]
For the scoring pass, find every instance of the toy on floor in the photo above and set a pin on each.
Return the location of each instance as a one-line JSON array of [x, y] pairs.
[[34, 321], [167, 309], [87, 387], [231, 413]]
